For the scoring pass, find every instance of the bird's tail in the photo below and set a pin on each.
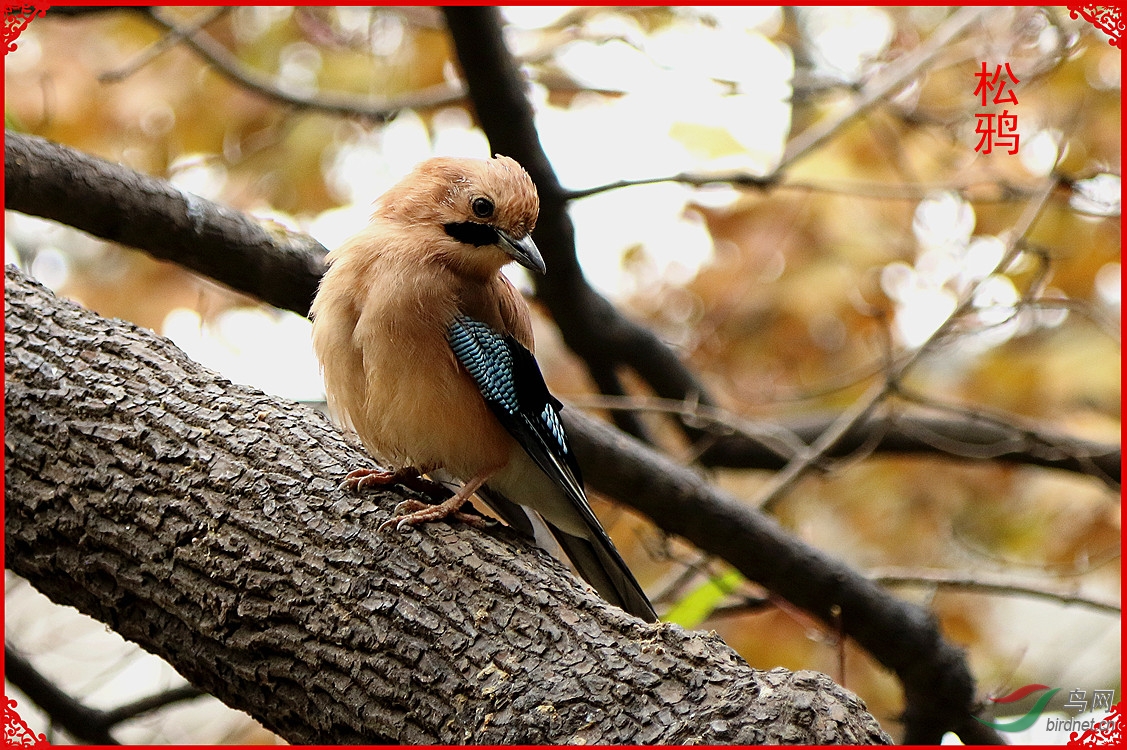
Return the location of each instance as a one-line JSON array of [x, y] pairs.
[[597, 562], [602, 567]]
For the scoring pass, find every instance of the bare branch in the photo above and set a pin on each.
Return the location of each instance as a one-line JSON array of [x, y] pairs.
[[1004, 434], [157, 48], [965, 432], [939, 689], [116, 203], [231, 67], [979, 191], [992, 583], [889, 80], [79, 721], [143, 706], [862, 408], [89, 725]]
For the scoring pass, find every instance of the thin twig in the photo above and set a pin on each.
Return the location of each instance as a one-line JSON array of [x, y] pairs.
[[972, 431], [66, 711], [692, 564], [991, 583], [232, 68], [839, 642], [862, 408], [1088, 562], [154, 50], [1026, 436], [884, 84], [115, 716], [978, 191]]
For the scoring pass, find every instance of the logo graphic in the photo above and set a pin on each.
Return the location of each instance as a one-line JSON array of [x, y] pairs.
[[1105, 731], [1030, 718]]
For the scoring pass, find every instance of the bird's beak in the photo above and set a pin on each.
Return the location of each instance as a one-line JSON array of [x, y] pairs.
[[523, 251]]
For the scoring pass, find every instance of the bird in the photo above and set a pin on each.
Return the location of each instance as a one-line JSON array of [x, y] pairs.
[[427, 353]]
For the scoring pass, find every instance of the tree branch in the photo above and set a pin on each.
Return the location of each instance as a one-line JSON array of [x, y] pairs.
[[202, 520], [230, 67], [116, 203], [142, 706], [735, 442], [157, 48], [88, 725], [999, 190], [938, 686], [79, 721], [992, 583]]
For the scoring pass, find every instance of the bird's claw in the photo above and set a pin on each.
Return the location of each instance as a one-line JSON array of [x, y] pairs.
[[361, 479], [414, 512]]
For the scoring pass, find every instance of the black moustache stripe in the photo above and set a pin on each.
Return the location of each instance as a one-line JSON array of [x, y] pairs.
[[472, 233]]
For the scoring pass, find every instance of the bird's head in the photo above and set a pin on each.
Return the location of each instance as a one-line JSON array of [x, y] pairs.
[[476, 215]]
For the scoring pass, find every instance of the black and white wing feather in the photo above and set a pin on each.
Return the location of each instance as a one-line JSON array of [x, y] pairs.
[[512, 385]]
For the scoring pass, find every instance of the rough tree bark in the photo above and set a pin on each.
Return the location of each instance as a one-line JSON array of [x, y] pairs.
[[201, 519]]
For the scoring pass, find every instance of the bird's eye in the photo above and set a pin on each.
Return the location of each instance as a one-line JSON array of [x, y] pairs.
[[482, 208]]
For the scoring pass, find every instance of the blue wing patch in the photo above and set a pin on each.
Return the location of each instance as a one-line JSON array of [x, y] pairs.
[[512, 385], [488, 360]]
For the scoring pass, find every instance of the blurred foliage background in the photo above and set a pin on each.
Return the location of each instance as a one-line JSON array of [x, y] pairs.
[[787, 299]]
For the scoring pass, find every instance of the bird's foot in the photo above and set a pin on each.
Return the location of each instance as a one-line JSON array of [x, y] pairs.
[[361, 479], [413, 512]]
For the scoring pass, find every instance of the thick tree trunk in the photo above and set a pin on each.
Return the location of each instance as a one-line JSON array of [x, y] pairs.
[[201, 519]]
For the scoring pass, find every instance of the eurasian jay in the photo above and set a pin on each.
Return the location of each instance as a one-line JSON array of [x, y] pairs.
[[426, 350]]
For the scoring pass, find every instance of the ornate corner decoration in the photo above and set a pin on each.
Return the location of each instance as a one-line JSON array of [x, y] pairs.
[[16, 731], [1106, 18], [16, 18], [1108, 732]]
